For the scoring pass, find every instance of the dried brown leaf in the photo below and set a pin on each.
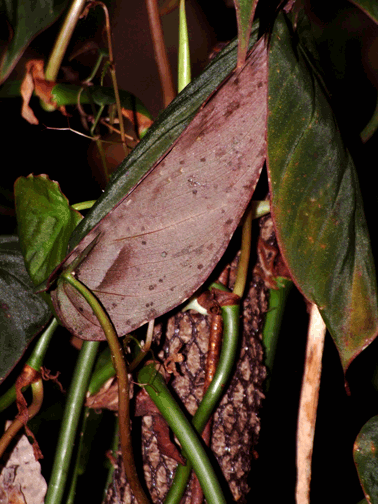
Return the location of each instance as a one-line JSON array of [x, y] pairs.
[[35, 82]]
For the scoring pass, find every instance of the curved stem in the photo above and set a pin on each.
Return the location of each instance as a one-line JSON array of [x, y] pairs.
[[123, 386], [272, 323], [158, 391], [64, 37], [17, 424], [213, 394], [72, 411], [35, 361]]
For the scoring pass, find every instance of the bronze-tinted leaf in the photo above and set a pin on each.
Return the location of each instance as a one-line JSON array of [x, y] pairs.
[[155, 248]]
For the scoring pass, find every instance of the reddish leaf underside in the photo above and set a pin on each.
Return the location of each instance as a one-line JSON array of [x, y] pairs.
[[315, 200], [154, 249]]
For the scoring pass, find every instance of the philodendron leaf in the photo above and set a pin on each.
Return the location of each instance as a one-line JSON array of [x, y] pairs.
[[315, 199], [45, 223], [27, 19], [22, 313], [370, 7], [160, 137], [365, 454], [154, 249]]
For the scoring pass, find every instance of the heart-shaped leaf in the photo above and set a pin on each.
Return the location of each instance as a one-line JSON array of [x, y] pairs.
[[27, 19], [45, 223], [315, 199], [22, 313], [365, 454], [154, 249]]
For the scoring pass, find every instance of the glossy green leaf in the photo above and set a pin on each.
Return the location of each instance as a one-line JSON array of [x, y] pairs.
[[27, 19], [370, 7], [45, 224], [161, 136], [245, 11], [365, 453], [316, 202], [22, 313]]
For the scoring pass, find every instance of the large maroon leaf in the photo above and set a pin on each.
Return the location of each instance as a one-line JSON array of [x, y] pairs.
[[315, 199], [154, 249]]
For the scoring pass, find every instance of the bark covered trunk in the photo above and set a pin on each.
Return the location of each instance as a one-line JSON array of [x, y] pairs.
[[235, 423]]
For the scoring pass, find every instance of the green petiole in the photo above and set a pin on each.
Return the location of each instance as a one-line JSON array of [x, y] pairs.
[[155, 385]]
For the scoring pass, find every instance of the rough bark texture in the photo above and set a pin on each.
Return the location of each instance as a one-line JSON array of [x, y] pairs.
[[236, 423]]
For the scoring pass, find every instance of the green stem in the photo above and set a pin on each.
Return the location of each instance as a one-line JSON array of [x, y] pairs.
[[184, 74], [38, 355], [123, 386], [158, 391], [241, 276], [84, 205], [64, 37], [35, 361], [74, 404], [100, 377], [213, 394], [272, 323]]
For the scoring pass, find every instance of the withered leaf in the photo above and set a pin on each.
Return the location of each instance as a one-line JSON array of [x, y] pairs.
[[162, 241]]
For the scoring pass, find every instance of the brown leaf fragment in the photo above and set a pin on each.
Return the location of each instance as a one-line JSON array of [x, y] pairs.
[[35, 82], [138, 120], [162, 241]]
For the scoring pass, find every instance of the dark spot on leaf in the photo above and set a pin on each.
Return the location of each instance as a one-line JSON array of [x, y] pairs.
[[151, 287], [194, 191], [114, 305], [182, 161], [152, 314], [203, 159], [200, 266], [229, 222], [220, 152], [260, 84], [143, 228], [236, 81], [144, 242], [164, 254], [81, 309], [161, 280], [234, 105]]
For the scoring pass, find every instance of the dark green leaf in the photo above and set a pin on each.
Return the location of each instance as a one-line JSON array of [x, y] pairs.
[[365, 453], [245, 11], [370, 7], [27, 19], [160, 136], [316, 201], [45, 224], [22, 313]]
